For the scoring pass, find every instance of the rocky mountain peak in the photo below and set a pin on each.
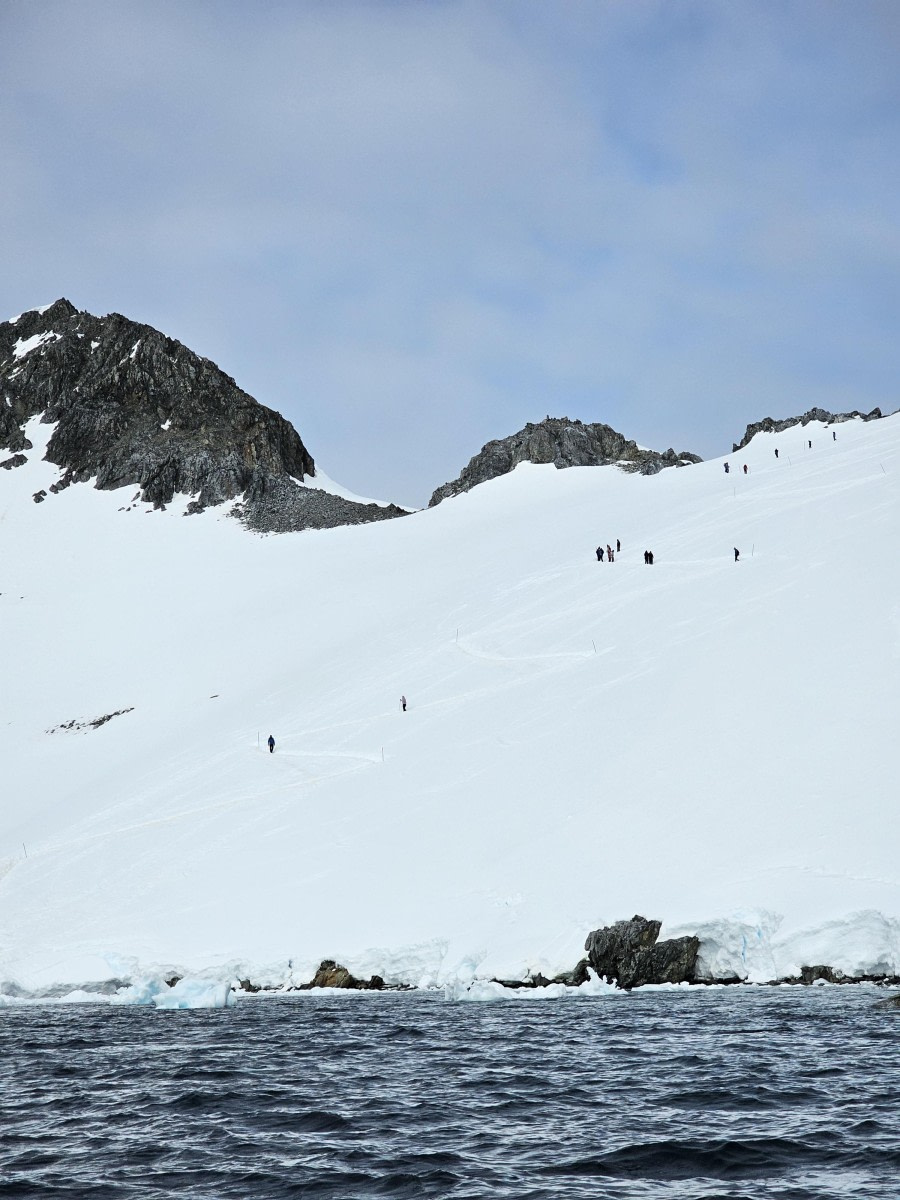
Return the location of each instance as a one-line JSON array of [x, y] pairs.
[[132, 406], [565, 443], [769, 425]]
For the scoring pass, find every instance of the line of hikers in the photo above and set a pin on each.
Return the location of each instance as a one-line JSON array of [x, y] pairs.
[[648, 559], [808, 446]]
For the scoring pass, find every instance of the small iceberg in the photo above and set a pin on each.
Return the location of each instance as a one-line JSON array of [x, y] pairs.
[[186, 993]]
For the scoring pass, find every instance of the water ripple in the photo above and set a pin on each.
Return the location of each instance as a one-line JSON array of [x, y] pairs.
[[702, 1095]]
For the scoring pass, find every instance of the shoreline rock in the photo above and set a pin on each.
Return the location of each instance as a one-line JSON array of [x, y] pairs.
[[332, 975], [629, 954]]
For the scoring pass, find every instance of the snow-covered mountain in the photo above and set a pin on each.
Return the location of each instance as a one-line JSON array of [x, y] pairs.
[[704, 741]]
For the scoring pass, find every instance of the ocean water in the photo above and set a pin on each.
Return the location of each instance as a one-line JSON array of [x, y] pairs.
[[733, 1092]]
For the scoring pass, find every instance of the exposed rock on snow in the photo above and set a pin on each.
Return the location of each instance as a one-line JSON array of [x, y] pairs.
[[564, 443], [629, 953], [73, 726], [768, 425], [132, 406]]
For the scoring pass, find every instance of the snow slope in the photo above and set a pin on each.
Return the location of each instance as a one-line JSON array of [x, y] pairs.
[[707, 742]]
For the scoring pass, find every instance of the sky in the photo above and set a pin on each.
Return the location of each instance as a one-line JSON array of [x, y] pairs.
[[412, 227]]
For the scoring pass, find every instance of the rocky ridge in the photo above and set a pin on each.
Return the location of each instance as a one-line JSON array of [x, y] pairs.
[[769, 425], [134, 407], [564, 443]]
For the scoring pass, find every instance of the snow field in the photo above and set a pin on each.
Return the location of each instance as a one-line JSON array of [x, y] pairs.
[[703, 741]]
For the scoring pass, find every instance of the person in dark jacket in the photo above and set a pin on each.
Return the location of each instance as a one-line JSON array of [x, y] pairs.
[[737, 554], [271, 744], [618, 545], [727, 468], [403, 703], [776, 451], [650, 557], [609, 554], [599, 554]]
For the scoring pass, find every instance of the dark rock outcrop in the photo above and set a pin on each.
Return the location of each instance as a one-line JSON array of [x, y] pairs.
[[134, 407], [768, 425], [332, 975], [564, 443], [629, 954]]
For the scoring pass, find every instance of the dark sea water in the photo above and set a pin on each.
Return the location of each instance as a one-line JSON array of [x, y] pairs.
[[736, 1092]]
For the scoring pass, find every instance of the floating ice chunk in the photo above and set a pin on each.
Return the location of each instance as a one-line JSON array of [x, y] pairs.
[[196, 992]]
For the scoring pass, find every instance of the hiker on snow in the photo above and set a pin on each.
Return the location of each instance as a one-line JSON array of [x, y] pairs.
[[737, 554], [727, 468], [599, 554], [618, 545], [609, 554], [403, 703], [745, 468], [271, 744], [776, 451]]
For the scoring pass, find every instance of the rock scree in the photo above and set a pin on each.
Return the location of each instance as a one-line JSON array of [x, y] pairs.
[[133, 407]]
